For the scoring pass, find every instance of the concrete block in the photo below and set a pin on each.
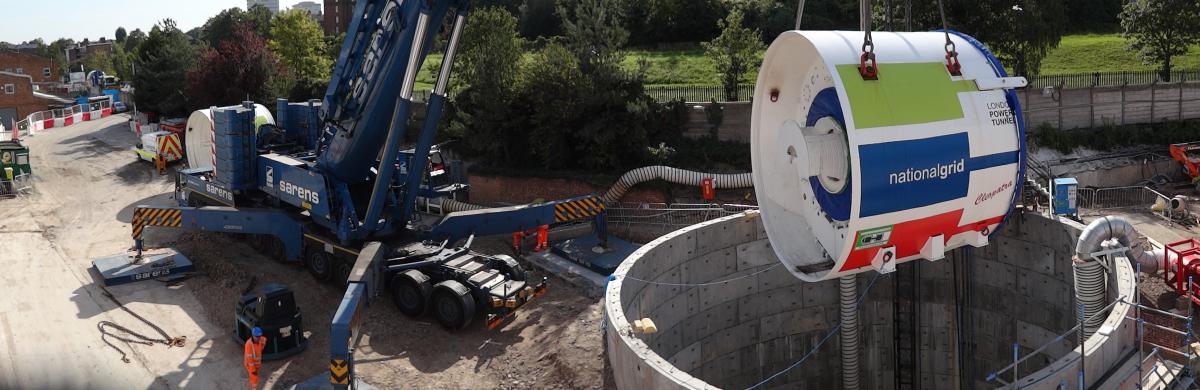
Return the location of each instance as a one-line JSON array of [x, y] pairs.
[[669, 341], [765, 303], [996, 274], [729, 340], [820, 293], [688, 358], [710, 267], [671, 313], [800, 321], [729, 234], [667, 255], [1042, 286], [778, 277], [708, 322], [756, 254], [733, 289]]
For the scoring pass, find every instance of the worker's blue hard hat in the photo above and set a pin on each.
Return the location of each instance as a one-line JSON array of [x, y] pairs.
[[257, 332]]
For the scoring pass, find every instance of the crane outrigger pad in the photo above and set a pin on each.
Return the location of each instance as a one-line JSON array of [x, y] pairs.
[[150, 264]]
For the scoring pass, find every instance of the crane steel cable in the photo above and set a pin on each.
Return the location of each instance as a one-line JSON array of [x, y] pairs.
[[817, 347], [952, 64], [867, 67], [132, 336]]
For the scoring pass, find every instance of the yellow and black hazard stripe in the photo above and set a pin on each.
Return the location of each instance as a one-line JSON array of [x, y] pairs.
[[578, 209], [339, 372], [145, 216]]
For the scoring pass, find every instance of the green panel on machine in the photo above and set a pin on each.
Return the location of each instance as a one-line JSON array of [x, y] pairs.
[[905, 94], [16, 156]]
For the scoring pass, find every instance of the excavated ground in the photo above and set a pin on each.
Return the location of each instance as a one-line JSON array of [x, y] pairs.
[[89, 182]]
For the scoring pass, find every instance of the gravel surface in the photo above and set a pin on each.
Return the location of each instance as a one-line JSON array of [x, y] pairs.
[[88, 184]]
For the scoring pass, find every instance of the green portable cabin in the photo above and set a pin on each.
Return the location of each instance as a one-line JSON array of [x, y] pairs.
[[16, 156]]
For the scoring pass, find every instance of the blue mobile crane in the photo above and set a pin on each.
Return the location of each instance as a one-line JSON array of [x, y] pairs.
[[329, 185]]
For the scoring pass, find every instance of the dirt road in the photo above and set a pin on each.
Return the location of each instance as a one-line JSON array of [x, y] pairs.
[[87, 185]]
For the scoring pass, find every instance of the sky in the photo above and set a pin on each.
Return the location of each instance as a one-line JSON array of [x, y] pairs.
[[25, 20]]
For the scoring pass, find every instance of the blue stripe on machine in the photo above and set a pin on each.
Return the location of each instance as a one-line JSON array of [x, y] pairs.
[[992, 160], [907, 174], [836, 206]]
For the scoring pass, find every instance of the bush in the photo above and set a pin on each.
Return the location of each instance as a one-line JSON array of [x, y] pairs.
[[1109, 136]]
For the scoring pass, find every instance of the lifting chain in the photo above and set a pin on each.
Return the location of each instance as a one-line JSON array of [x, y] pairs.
[[867, 67], [133, 337], [952, 64]]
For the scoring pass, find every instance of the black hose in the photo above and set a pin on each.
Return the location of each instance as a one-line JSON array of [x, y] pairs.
[[132, 336]]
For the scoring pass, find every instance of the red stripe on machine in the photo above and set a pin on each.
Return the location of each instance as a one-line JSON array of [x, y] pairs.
[[909, 237]]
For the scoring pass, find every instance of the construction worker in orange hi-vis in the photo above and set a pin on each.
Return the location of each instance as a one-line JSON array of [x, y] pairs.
[[253, 359]]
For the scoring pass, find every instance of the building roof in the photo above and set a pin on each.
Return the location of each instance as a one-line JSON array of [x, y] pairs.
[[13, 51]]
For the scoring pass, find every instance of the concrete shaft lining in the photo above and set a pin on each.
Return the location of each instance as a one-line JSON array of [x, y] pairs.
[[728, 316]]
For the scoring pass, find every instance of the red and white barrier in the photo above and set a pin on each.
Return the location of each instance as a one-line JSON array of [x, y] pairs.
[[62, 117]]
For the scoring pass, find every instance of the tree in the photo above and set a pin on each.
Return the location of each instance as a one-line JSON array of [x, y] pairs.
[[223, 25], [594, 30], [163, 61], [735, 52], [122, 63], [259, 18], [538, 20], [608, 128], [57, 51], [551, 115], [1161, 29], [239, 69], [1021, 34], [220, 27], [101, 61], [134, 39], [299, 43], [120, 35], [659, 21], [488, 68]]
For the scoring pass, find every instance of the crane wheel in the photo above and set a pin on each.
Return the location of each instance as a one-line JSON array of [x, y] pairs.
[[453, 305], [319, 264], [410, 291], [343, 272], [272, 247]]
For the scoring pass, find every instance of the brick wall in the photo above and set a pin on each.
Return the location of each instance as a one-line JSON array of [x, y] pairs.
[[22, 99], [29, 64]]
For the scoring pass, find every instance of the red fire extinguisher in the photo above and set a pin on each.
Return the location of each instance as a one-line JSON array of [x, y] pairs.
[[707, 188]]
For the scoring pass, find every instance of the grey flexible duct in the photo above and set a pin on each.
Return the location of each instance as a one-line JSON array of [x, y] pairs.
[[848, 313], [1089, 273], [627, 181], [1089, 291], [1110, 227], [673, 175]]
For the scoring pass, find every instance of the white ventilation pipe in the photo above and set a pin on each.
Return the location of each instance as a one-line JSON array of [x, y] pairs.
[[1089, 273], [627, 181], [449, 205], [674, 175]]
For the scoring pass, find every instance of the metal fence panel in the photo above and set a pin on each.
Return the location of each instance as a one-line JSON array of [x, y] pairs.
[[1095, 199], [661, 218]]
